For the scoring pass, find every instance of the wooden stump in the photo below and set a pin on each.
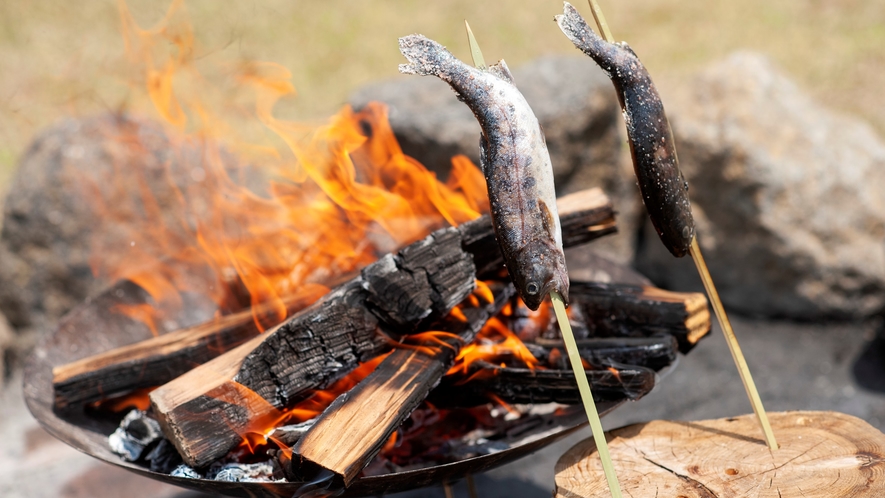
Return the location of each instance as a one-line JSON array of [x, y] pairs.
[[822, 455]]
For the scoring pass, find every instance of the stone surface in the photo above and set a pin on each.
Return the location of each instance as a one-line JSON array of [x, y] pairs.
[[576, 106], [789, 197], [76, 176]]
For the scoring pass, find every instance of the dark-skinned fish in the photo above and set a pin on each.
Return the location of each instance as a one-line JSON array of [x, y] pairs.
[[516, 165], [663, 188]]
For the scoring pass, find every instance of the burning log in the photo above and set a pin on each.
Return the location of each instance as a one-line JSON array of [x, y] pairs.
[[618, 310], [205, 411], [353, 429], [585, 216], [535, 386], [649, 352], [157, 360]]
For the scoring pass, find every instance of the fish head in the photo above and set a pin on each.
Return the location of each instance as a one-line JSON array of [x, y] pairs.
[[539, 268]]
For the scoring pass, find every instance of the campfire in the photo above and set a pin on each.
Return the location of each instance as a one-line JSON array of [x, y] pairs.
[[344, 314]]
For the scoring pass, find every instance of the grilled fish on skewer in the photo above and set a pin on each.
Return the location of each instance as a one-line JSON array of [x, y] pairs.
[[515, 162], [662, 185]]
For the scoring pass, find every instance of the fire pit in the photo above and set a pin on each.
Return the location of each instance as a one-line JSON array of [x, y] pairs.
[[92, 329]]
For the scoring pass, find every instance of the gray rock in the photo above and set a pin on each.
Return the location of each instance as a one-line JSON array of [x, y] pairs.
[[7, 342], [53, 224], [575, 104], [789, 197]]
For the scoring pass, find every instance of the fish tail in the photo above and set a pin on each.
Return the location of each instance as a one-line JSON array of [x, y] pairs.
[[426, 57], [579, 32]]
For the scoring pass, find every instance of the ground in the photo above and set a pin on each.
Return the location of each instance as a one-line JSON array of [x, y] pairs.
[[59, 58]]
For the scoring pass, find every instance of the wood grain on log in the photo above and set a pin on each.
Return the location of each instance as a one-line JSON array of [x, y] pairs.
[[354, 428], [618, 310], [585, 215], [822, 455]]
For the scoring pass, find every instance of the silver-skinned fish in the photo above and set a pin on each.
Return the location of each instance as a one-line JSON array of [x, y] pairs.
[[516, 165]]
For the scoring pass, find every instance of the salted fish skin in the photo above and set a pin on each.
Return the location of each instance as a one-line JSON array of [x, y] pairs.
[[661, 183]]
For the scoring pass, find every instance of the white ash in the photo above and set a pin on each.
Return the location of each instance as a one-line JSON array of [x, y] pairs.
[[137, 432], [186, 472], [243, 472]]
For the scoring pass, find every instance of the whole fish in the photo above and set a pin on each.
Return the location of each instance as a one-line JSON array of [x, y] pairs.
[[516, 165], [663, 188]]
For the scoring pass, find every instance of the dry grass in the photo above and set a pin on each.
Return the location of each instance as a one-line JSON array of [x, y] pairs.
[[61, 58]]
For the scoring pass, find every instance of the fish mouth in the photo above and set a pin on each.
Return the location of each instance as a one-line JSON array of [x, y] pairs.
[[558, 283]]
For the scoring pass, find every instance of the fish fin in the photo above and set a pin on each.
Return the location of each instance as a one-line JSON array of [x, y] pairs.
[[501, 70], [547, 219], [426, 57]]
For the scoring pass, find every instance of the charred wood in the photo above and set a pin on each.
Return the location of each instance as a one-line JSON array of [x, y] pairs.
[[649, 352], [157, 360], [353, 429], [618, 310], [489, 382], [584, 215], [205, 411]]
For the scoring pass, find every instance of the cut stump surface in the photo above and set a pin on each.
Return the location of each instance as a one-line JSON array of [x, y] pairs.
[[822, 454]]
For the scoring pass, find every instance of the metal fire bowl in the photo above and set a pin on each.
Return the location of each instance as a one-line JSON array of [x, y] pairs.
[[93, 327]]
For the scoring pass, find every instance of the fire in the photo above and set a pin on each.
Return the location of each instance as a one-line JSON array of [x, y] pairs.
[[493, 343], [330, 199], [339, 194], [257, 434]]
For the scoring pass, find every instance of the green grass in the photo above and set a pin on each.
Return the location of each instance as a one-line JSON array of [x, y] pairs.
[[62, 58]]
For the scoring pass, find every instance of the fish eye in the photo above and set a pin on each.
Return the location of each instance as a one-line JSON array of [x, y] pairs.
[[532, 288]]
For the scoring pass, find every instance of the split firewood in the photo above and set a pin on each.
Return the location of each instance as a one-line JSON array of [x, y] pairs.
[[205, 411], [618, 310], [821, 455], [354, 428], [654, 352], [526, 386], [585, 215], [157, 360]]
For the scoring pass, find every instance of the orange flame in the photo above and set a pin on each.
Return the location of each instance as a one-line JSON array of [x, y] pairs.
[[492, 342], [341, 193]]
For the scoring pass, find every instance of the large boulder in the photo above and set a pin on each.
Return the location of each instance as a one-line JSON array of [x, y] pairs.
[[575, 104], [789, 197], [77, 176]]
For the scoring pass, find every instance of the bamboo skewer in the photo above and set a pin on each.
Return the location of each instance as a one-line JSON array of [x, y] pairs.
[[733, 346], [584, 387], [570, 343]]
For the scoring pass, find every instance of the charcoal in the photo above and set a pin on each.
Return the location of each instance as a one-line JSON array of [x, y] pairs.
[[137, 432], [164, 458]]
